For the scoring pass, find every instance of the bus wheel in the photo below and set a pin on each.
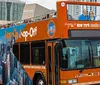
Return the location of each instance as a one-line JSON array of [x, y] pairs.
[[40, 81]]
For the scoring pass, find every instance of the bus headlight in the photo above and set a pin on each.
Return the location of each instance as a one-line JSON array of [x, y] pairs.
[[63, 81], [72, 81]]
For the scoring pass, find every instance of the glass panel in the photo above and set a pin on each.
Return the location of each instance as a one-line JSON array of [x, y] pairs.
[[73, 53], [38, 55], [83, 12], [16, 50], [8, 10], [96, 52], [25, 53], [50, 65], [80, 54], [57, 55]]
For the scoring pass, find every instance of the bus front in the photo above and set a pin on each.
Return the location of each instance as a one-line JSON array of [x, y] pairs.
[[80, 57]]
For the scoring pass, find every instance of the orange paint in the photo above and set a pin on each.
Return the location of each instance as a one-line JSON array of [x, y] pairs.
[[62, 25]]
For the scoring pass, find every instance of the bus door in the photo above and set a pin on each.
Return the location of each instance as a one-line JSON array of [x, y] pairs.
[[49, 52], [57, 53], [52, 64]]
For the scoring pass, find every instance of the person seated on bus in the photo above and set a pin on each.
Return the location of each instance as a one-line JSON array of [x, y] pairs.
[[3, 26], [70, 17], [13, 24], [91, 16], [48, 16], [73, 59], [83, 16], [54, 15], [44, 17]]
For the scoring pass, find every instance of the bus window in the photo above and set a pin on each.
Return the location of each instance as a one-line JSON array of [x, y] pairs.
[[76, 54], [38, 53], [16, 50], [50, 65], [25, 53], [83, 12], [80, 54], [96, 52]]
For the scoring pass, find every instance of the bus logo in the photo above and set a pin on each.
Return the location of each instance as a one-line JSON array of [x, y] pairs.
[[62, 4], [51, 29], [32, 32]]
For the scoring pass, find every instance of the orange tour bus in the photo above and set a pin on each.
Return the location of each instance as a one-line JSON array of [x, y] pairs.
[[62, 48]]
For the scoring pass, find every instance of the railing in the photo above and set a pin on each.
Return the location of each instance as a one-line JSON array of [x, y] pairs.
[[31, 20]]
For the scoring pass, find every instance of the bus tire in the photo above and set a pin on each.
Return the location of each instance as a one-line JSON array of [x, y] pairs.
[[40, 81]]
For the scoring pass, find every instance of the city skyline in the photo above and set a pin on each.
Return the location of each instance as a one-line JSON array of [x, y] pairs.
[[11, 10]]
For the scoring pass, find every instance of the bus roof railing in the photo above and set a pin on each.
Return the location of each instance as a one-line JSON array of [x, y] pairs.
[[30, 20]]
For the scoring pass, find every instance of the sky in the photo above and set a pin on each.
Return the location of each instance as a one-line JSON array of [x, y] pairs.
[[50, 4]]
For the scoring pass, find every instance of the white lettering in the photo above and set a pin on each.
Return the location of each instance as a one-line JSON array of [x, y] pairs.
[[79, 25], [35, 67], [32, 32], [86, 25], [94, 25]]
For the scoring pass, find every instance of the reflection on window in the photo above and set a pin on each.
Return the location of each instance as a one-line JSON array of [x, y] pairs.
[[98, 49], [73, 53], [16, 50], [25, 53], [83, 12], [80, 54], [38, 53], [96, 53]]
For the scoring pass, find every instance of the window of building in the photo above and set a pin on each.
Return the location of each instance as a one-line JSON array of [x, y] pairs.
[[38, 53], [8, 10], [25, 53], [16, 50]]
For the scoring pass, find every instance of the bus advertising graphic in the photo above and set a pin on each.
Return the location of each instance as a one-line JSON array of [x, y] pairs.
[[11, 71]]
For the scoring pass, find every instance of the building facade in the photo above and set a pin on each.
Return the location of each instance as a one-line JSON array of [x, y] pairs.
[[11, 10], [34, 10]]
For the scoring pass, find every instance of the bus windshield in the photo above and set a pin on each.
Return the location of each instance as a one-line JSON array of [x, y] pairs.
[[80, 54], [83, 12]]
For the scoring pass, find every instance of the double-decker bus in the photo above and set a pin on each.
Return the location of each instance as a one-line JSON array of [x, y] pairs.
[[63, 49]]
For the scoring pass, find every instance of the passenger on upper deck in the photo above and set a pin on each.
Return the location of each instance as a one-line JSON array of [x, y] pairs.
[[54, 15], [13, 25], [91, 16], [83, 16], [70, 17]]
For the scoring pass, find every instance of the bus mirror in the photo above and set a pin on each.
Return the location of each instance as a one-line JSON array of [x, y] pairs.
[[58, 47]]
